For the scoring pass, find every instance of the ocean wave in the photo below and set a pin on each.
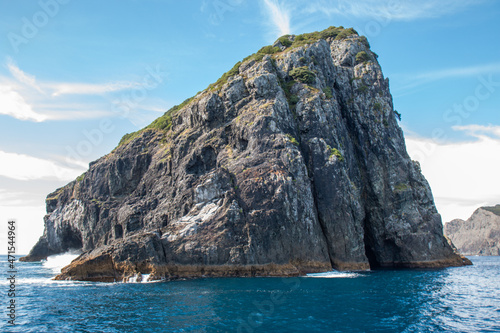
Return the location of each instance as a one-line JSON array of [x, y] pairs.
[[333, 274], [57, 262]]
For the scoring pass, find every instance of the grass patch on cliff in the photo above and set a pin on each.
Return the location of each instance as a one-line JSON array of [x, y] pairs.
[[335, 152], [363, 57], [292, 139], [328, 92], [163, 123], [495, 210], [338, 33], [303, 74], [401, 187], [80, 178]]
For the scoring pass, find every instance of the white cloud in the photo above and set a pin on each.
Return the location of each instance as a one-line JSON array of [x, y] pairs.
[[279, 17], [402, 10], [14, 105], [463, 175], [25, 98], [21, 76], [88, 88], [24, 167]]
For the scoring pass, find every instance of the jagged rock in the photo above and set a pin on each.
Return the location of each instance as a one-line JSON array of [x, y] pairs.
[[479, 235], [258, 175]]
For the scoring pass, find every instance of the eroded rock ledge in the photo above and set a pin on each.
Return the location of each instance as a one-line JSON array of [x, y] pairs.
[[292, 162]]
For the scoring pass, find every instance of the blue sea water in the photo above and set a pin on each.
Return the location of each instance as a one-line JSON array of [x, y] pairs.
[[465, 299]]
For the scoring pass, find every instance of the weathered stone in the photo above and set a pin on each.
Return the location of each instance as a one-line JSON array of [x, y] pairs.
[[262, 177], [479, 235]]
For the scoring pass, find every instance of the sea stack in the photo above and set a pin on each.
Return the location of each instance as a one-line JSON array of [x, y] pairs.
[[292, 162]]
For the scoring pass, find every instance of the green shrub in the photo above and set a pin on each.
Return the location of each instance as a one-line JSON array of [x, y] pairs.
[[315, 62], [335, 152], [291, 98], [346, 33], [364, 41], [494, 210], [362, 88], [401, 187], [362, 57], [269, 50], [302, 59], [398, 115], [292, 140], [223, 79], [303, 74], [285, 41], [80, 178], [328, 92], [377, 106]]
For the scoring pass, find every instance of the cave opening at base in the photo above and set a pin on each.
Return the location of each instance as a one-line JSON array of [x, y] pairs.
[[72, 239]]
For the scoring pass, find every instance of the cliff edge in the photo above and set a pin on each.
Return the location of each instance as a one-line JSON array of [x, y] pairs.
[[292, 162], [479, 235]]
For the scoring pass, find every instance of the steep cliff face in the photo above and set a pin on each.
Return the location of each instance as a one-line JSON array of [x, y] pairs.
[[479, 235], [292, 162]]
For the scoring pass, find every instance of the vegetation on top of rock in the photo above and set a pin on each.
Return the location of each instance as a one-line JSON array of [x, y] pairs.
[[285, 41], [494, 210], [80, 178], [335, 152], [303, 74], [364, 41], [363, 57], [337, 33], [163, 123]]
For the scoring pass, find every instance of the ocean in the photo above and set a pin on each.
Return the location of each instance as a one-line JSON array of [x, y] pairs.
[[464, 299]]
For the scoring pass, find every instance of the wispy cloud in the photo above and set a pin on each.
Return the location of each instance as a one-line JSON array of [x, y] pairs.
[[277, 16], [402, 10], [24, 97], [410, 81], [25, 167], [458, 72], [89, 89], [480, 131], [22, 77], [463, 175], [14, 105]]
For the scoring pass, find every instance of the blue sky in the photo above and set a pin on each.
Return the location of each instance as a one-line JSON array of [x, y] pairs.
[[77, 75]]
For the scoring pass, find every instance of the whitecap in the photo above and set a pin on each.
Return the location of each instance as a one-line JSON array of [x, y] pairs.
[[57, 262], [333, 274]]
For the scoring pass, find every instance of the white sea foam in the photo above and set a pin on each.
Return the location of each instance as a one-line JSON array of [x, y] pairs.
[[57, 262], [333, 274], [145, 278]]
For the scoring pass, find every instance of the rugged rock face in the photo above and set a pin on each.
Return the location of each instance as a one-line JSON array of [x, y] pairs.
[[479, 235], [292, 162]]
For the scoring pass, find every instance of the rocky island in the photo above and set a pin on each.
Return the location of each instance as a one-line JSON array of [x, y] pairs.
[[292, 162], [479, 235]]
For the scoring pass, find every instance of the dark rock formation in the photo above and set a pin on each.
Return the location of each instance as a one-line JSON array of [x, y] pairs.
[[479, 235], [292, 162]]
